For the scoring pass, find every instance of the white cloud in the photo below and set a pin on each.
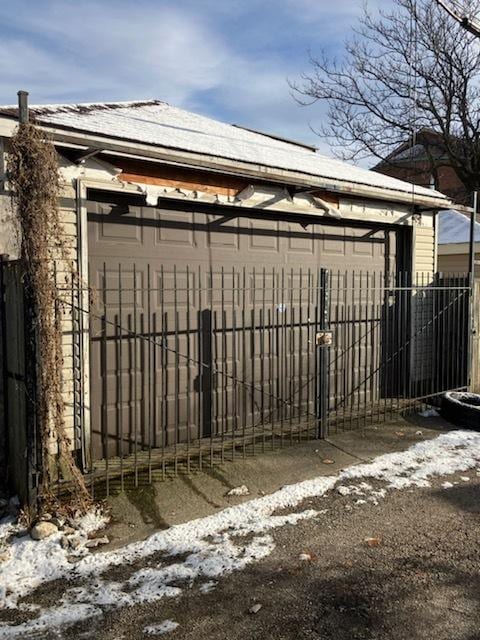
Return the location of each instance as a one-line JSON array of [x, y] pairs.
[[229, 59]]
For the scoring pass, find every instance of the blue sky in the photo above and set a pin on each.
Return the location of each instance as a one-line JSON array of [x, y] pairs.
[[228, 59]]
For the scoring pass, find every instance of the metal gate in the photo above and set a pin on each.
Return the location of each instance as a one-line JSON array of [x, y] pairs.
[[199, 366], [202, 366], [398, 344]]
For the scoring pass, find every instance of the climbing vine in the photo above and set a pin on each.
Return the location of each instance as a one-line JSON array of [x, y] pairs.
[[34, 182]]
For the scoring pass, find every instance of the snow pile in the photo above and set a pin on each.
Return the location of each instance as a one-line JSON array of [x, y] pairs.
[[30, 563], [207, 587], [211, 547], [449, 453]]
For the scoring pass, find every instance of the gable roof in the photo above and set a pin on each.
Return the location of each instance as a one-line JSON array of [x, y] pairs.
[[454, 228], [157, 123], [412, 151]]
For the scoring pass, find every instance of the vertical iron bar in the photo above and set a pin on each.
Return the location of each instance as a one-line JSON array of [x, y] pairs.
[[148, 345], [212, 420], [163, 370], [244, 363], [274, 386], [3, 326], [120, 372], [271, 346], [201, 383], [104, 418], [135, 369], [189, 381], [262, 359], [309, 347], [386, 344], [290, 356], [253, 354], [322, 355], [176, 411], [393, 339], [353, 348], [299, 368], [366, 400], [234, 364], [360, 340], [224, 365]]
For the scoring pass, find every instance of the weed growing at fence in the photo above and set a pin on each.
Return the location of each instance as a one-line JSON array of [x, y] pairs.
[[34, 181]]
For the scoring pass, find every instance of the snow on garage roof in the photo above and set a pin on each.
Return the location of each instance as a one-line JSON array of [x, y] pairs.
[[454, 228], [157, 123]]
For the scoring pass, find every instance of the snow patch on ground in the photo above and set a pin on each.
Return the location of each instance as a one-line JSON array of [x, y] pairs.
[[207, 587], [429, 413], [210, 547], [32, 563], [160, 629]]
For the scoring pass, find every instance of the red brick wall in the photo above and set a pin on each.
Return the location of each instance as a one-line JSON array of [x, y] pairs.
[[448, 181]]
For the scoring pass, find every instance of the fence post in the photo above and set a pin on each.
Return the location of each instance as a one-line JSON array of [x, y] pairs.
[[4, 390], [475, 342], [322, 357], [206, 377]]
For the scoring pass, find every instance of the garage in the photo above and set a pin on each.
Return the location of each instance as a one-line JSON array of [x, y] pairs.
[[206, 319], [223, 291]]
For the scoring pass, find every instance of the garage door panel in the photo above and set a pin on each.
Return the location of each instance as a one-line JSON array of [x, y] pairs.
[[167, 229], [263, 236]]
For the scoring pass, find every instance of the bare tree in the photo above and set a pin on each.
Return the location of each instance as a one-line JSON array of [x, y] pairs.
[[406, 70]]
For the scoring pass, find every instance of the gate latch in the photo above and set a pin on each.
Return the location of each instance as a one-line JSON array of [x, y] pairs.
[[324, 338]]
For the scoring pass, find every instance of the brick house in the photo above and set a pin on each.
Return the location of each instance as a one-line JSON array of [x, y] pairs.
[[413, 164]]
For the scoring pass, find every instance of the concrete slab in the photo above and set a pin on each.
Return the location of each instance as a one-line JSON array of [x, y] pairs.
[[138, 512]]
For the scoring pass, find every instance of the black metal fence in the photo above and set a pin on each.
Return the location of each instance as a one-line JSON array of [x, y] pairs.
[[195, 367]]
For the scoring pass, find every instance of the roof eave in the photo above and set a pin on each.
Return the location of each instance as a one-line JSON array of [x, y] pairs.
[[68, 135]]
